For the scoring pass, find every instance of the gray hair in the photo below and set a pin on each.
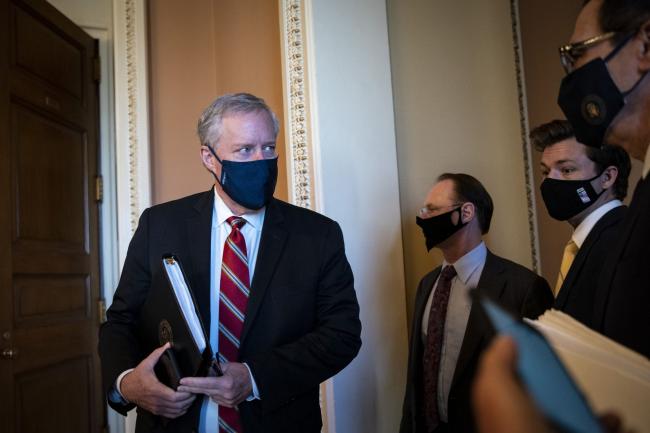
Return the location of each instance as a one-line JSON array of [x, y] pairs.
[[209, 126]]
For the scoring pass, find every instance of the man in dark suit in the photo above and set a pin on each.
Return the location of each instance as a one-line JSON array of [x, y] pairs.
[[606, 97], [584, 186], [448, 333], [272, 285]]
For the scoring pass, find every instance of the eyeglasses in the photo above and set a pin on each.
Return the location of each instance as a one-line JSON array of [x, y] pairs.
[[428, 211], [571, 52]]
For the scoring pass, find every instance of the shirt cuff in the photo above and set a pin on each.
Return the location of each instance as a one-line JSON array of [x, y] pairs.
[[255, 395], [118, 382]]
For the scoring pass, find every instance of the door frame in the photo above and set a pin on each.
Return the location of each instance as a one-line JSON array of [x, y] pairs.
[[128, 153]]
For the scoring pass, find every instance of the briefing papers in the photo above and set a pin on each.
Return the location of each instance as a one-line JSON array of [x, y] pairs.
[[612, 377], [185, 301]]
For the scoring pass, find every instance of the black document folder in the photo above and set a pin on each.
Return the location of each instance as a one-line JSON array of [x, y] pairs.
[[170, 315]]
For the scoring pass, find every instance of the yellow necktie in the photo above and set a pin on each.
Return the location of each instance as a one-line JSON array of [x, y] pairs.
[[567, 259]]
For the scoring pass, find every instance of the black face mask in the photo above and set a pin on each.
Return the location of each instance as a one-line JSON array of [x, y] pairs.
[[565, 199], [250, 184], [439, 228], [591, 100]]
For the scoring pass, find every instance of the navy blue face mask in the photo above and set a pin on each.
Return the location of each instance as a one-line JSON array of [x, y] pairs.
[[251, 183], [591, 100]]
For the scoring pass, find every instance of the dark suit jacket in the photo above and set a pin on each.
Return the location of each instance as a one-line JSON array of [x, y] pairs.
[[577, 294], [622, 305], [302, 320], [513, 286]]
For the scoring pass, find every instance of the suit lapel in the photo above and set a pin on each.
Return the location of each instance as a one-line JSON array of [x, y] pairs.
[[491, 283], [421, 303], [574, 270], [611, 217], [272, 242], [199, 230]]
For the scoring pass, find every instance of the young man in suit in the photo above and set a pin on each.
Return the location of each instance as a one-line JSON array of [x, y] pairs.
[[606, 97], [583, 186], [272, 285], [448, 333]]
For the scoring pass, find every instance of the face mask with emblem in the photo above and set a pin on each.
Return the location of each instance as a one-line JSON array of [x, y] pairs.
[[591, 100], [565, 199]]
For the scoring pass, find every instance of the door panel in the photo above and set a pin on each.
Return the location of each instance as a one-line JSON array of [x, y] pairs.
[[49, 160], [49, 264], [40, 49], [71, 410]]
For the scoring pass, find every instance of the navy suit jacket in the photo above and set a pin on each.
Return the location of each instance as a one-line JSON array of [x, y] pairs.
[[302, 319], [516, 288], [578, 292]]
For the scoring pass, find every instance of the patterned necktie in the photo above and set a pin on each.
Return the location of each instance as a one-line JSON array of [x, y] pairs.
[[233, 298], [570, 251], [433, 349]]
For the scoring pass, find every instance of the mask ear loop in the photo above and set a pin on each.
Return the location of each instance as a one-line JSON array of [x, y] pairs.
[[596, 177], [618, 47], [215, 154], [220, 162], [460, 215], [615, 51]]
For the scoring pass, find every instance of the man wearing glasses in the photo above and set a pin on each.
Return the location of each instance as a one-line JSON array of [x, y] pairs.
[[606, 97], [447, 333]]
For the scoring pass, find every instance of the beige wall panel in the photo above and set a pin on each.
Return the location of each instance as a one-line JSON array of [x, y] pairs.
[[456, 110], [200, 49], [545, 25]]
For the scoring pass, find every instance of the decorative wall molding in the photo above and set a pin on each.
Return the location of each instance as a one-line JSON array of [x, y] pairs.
[[296, 103], [300, 124], [525, 142], [132, 117]]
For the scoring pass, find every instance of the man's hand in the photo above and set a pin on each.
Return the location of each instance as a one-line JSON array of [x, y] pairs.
[[500, 402], [142, 387], [228, 390]]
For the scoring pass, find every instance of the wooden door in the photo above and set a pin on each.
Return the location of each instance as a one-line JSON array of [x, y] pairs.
[[49, 267]]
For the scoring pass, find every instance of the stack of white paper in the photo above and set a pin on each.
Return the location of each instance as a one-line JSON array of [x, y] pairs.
[[185, 301], [612, 377]]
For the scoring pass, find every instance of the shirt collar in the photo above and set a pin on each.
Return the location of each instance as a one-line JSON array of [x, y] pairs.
[[582, 231], [466, 265], [223, 212], [646, 164]]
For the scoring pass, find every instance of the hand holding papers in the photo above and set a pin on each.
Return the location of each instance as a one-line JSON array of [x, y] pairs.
[[612, 377], [543, 374]]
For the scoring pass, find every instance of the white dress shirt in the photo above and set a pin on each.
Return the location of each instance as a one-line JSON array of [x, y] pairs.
[[646, 164], [252, 232], [584, 228], [468, 271]]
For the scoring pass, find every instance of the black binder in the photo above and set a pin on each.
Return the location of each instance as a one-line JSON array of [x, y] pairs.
[[161, 321]]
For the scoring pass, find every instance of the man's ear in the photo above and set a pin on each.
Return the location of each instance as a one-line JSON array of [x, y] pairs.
[[467, 212], [610, 176], [644, 54], [208, 159]]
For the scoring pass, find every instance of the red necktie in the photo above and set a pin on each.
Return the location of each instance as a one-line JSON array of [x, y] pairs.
[[433, 348], [233, 298]]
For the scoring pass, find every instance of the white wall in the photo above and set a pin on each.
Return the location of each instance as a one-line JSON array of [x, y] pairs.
[[358, 187], [456, 110]]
